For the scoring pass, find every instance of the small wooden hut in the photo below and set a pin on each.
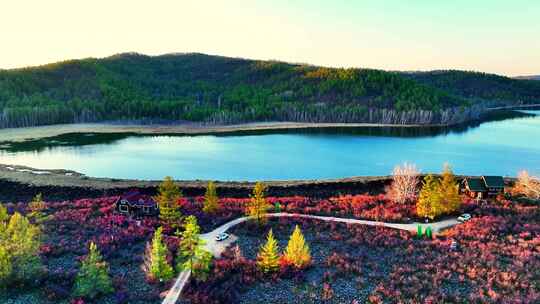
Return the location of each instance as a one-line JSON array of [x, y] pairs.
[[137, 204], [484, 186]]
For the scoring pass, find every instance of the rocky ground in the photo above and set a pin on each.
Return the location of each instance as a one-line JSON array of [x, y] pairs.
[[325, 240]]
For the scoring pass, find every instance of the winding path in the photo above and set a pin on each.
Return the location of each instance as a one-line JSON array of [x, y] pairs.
[[216, 248]]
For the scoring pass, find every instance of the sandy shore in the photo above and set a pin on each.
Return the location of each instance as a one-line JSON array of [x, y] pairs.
[[23, 134]]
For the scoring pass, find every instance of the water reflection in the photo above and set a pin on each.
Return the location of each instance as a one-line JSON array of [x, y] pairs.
[[78, 140], [501, 145]]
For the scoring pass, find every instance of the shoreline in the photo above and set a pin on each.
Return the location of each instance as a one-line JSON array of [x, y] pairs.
[[40, 132], [20, 183], [17, 135]]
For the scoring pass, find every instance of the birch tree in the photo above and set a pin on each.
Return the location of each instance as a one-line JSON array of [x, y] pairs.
[[405, 181]]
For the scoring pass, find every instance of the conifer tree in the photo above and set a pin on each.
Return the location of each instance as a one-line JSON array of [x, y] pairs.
[[211, 199], [192, 255], [167, 199], [22, 242], [156, 265], [449, 191], [297, 252], [93, 278], [268, 257], [5, 266], [428, 204], [258, 206], [4, 217]]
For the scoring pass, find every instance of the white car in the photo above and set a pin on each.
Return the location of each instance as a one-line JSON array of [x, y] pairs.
[[222, 236], [464, 217]]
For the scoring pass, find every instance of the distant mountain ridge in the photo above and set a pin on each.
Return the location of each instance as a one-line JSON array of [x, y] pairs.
[[530, 77], [221, 90]]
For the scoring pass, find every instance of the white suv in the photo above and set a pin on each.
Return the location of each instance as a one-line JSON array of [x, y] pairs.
[[464, 217], [221, 237]]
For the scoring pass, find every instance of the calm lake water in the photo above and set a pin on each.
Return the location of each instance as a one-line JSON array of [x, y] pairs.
[[499, 147]]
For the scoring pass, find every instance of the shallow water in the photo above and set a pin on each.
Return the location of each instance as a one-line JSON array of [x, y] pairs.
[[500, 147]]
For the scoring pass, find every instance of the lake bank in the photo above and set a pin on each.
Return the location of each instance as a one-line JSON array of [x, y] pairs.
[[16, 135], [33, 133], [20, 183]]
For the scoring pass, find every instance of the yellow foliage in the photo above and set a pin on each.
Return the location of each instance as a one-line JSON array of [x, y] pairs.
[[438, 197], [268, 257], [167, 199], [428, 204], [210, 199], [297, 252], [449, 191], [258, 206]]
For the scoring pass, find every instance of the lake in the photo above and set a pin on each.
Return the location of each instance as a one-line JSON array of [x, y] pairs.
[[500, 146]]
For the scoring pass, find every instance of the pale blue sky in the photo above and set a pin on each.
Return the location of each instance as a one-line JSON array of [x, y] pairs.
[[498, 36]]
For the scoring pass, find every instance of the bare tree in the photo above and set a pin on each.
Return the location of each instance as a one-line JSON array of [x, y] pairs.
[[527, 185], [405, 181]]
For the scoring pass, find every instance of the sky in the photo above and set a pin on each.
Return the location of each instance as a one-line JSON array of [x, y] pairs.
[[495, 36]]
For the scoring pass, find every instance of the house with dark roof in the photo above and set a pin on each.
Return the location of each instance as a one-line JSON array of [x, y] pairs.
[[484, 186], [137, 204]]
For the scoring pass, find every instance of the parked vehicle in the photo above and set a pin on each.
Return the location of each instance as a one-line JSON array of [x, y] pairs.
[[222, 236], [464, 217]]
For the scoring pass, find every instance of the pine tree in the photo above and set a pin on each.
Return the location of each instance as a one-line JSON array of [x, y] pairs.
[[192, 255], [449, 190], [268, 257], [211, 199], [4, 217], [5, 266], [258, 206], [428, 204], [22, 242], [156, 265], [93, 277], [297, 252], [167, 198]]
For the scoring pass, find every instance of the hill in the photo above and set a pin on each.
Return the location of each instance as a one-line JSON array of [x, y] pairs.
[[480, 86], [221, 90], [530, 77]]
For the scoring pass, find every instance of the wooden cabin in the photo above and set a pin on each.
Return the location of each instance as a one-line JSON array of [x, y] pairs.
[[136, 204], [484, 186]]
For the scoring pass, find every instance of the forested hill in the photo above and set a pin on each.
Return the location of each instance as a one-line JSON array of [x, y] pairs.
[[218, 90], [481, 85]]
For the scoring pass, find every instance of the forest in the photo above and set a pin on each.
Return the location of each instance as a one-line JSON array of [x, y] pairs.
[[220, 90]]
